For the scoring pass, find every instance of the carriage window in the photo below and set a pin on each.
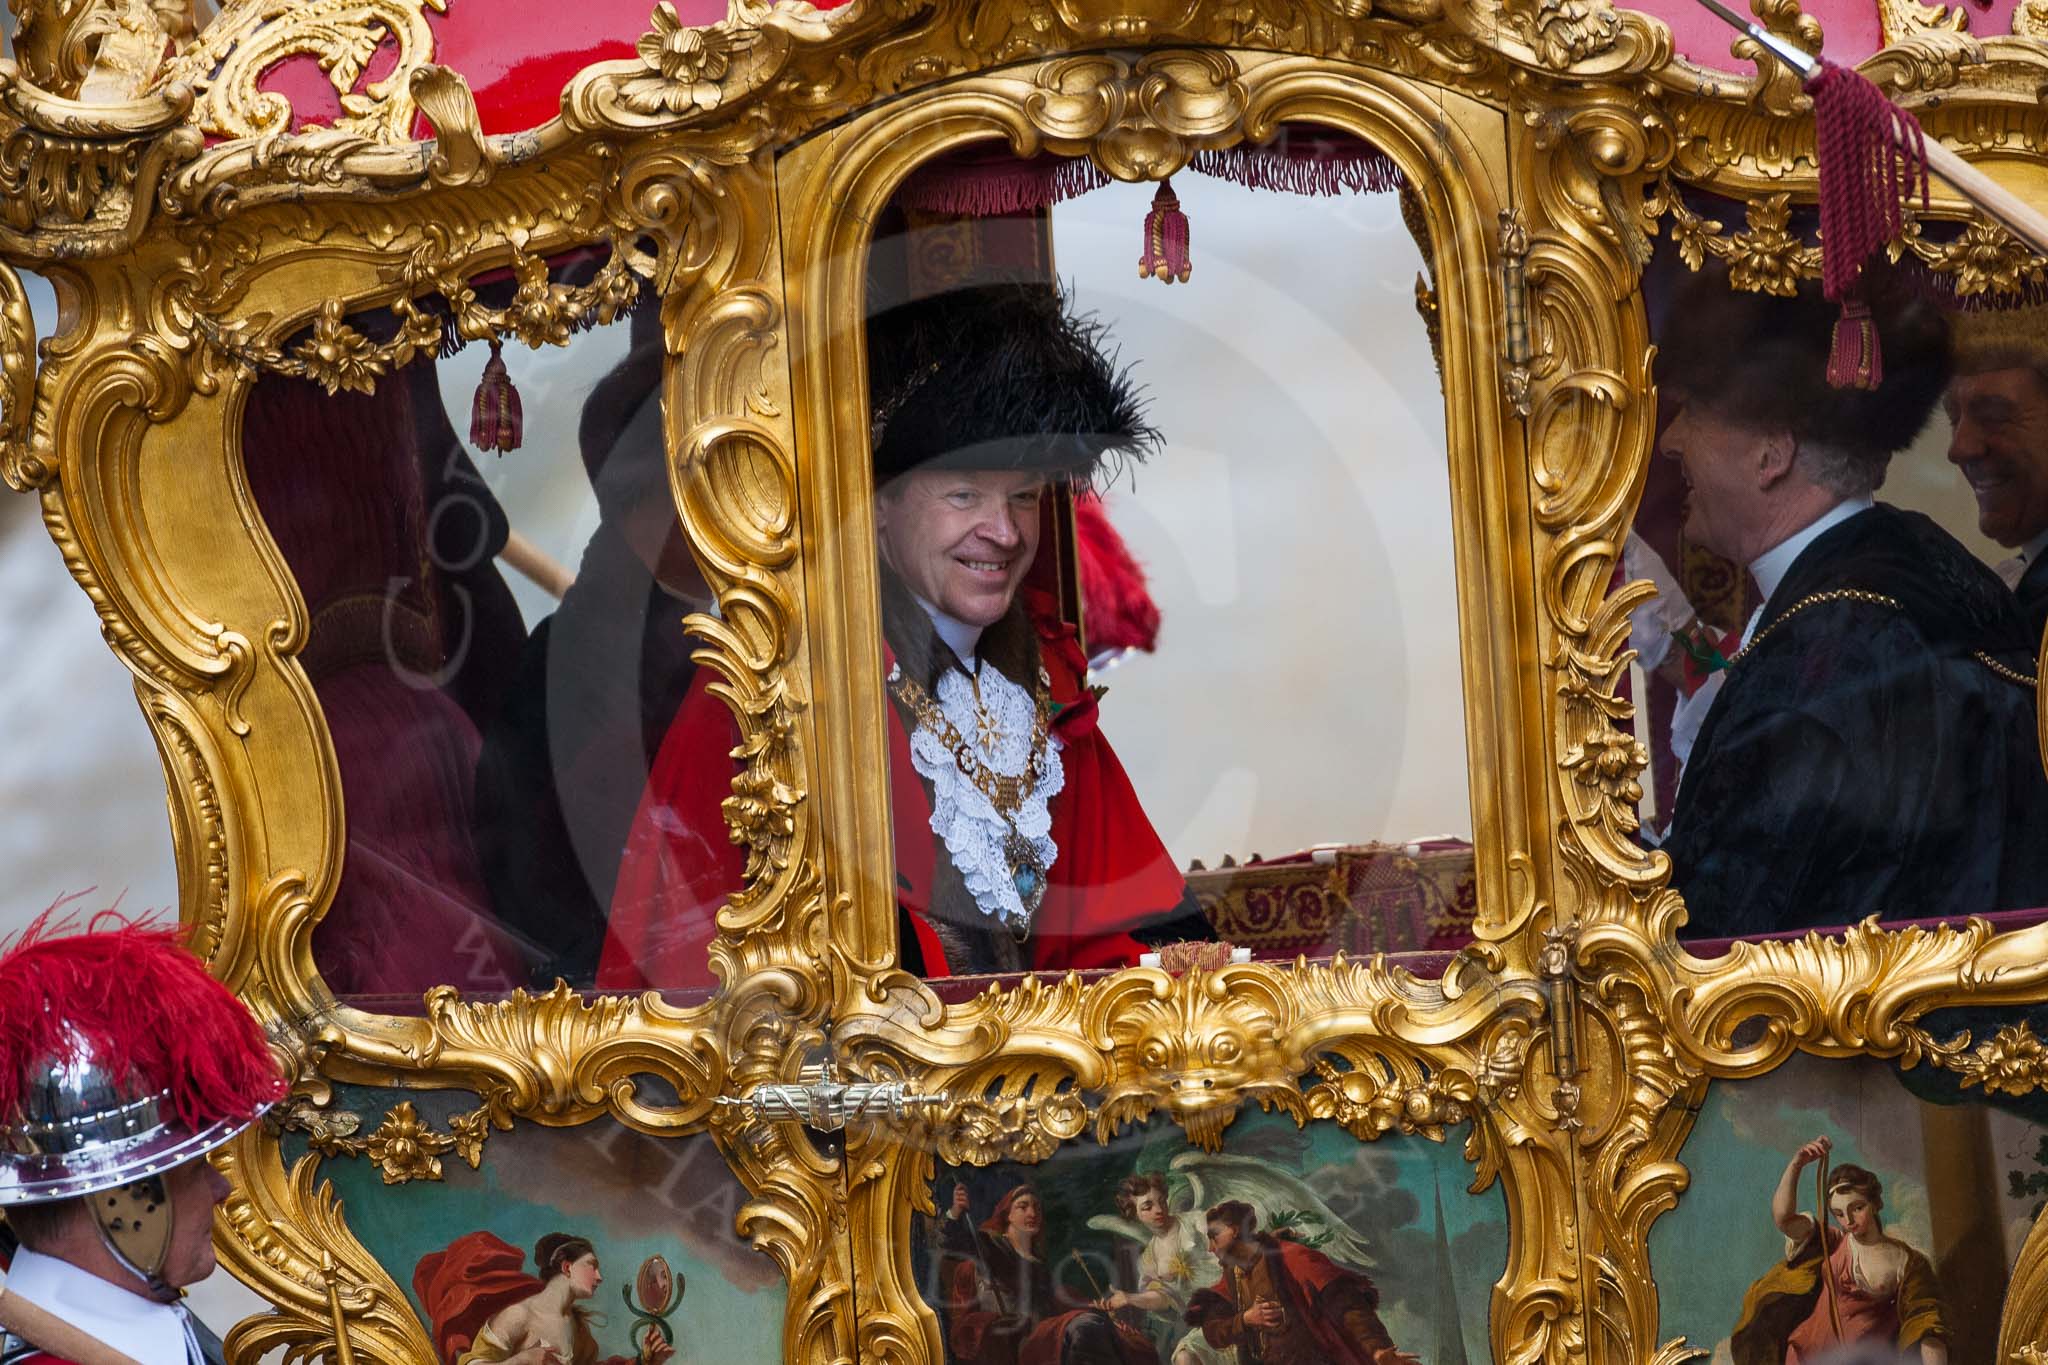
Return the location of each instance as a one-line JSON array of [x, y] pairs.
[[497, 645], [1168, 593], [1839, 698]]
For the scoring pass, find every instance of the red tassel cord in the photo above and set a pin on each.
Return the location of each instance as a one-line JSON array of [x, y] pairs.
[[115, 987], [1166, 239], [1872, 157], [495, 420]]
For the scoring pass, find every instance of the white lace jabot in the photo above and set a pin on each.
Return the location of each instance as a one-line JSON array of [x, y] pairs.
[[962, 815]]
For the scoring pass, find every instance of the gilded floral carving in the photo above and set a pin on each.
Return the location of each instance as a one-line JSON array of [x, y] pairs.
[[1764, 257], [686, 64], [1566, 32]]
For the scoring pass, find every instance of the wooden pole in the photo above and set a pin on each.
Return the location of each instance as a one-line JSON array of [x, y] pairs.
[[546, 572], [2020, 218]]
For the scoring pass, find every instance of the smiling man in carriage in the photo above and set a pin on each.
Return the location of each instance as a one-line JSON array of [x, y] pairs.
[[1020, 843]]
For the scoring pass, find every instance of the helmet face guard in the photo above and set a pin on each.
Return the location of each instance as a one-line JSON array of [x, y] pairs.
[[135, 1222]]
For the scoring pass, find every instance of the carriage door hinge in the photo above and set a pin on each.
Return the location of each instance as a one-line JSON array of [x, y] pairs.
[[1515, 348], [1558, 969]]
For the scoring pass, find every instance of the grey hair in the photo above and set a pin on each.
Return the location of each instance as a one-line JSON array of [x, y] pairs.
[[1843, 472]]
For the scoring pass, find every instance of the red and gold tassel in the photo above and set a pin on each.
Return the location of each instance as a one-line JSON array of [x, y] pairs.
[[1166, 239], [1854, 361], [495, 421]]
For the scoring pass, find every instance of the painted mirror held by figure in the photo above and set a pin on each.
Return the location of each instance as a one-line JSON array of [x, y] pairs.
[[587, 1246], [1838, 678], [497, 643]]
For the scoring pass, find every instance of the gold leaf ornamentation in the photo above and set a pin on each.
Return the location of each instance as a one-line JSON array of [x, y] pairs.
[[1564, 33], [286, 1237], [404, 1146], [685, 64], [2012, 1061], [1765, 258], [336, 356], [228, 62], [1140, 120]]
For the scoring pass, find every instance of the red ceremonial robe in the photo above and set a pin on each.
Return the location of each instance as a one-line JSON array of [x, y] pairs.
[[1111, 874]]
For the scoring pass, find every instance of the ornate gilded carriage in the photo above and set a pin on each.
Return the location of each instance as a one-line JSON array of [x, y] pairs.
[[263, 233]]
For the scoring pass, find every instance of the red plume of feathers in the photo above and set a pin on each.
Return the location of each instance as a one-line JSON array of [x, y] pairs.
[[140, 1000], [1116, 604]]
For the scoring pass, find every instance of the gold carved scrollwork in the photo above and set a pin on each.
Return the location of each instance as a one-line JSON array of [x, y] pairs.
[[685, 63], [1573, 1043], [336, 356], [17, 385], [1365, 1044], [1767, 257], [1778, 89], [1142, 120], [286, 1235], [227, 63], [1564, 33], [461, 156], [105, 49]]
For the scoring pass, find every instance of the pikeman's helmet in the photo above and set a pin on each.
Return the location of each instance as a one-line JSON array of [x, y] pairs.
[[120, 1058]]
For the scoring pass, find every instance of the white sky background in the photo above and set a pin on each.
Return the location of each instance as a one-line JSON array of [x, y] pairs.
[[1296, 527]]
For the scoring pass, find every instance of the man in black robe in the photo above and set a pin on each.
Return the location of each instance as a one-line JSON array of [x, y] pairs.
[[1998, 417], [1873, 749], [568, 749]]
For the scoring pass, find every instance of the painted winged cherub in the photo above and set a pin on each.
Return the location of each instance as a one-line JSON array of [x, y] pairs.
[[1162, 1212]]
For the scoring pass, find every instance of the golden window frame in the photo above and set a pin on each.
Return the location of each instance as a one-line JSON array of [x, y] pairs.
[[1575, 1036]]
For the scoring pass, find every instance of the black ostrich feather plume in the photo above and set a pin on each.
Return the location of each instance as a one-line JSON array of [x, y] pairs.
[[1000, 376]]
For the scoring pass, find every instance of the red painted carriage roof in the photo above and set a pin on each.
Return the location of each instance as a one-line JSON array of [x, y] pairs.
[[1850, 29], [518, 55]]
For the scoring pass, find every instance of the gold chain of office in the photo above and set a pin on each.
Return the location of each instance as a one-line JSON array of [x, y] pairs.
[[1004, 792], [1875, 599]]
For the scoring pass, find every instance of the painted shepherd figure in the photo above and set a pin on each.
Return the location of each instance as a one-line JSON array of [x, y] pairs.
[[1282, 1303], [1882, 1290]]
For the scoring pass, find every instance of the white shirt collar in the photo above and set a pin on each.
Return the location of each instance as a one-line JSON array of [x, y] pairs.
[[151, 1333], [960, 637], [1770, 567]]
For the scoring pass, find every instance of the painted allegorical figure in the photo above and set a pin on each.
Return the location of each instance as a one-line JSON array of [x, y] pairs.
[[1002, 1304], [1837, 1285], [1161, 1211], [1282, 1303], [487, 1309]]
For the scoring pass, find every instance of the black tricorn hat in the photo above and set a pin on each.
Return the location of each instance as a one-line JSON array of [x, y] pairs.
[[999, 376], [1762, 360]]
